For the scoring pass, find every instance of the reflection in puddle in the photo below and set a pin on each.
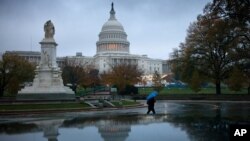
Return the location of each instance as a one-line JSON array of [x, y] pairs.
[[185, 122]]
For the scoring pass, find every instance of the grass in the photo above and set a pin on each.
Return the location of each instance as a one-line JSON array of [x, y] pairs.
[[189, 91], [57, 106], [124, 103], [13, 107]]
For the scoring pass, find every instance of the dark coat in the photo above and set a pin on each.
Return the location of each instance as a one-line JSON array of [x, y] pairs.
[[151, 102]]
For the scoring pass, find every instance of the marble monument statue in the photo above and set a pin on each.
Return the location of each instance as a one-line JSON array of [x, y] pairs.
[[48, 83], [49, 29]]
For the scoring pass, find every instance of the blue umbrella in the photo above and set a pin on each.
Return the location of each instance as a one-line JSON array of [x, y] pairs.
[[152, 94]]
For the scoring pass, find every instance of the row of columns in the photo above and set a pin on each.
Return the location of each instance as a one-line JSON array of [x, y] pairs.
[[112, 47], [105, 36]]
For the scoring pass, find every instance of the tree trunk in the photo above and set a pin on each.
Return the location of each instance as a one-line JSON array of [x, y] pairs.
[[218, 89], [1, 91]]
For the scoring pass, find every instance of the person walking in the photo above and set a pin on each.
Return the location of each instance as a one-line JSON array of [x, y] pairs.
[[151, 103]]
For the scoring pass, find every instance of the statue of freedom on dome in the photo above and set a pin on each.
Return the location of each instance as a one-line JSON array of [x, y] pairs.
[[49, 29]]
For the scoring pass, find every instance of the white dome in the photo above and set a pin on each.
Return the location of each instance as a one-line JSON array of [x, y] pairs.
[[112, 25], [112, 38]]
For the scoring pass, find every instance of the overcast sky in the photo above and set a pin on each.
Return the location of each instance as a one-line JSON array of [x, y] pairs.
[[154, 27]]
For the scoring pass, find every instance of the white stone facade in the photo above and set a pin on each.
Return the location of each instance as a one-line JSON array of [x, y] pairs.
[[112, 38], [31, 56]]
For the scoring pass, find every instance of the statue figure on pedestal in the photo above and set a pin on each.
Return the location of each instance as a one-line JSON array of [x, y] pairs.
[[46, 59], [49, 29]]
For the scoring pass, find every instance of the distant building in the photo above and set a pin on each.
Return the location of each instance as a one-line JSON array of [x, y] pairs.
[[113, 48], [79, 60], [31, 56], [166, 68]]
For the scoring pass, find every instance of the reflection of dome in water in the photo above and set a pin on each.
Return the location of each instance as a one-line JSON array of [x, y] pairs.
[[112, 38], [112, 131]]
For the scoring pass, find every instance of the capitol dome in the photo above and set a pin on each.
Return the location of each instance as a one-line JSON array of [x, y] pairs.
[[112, 25], [112, 38]]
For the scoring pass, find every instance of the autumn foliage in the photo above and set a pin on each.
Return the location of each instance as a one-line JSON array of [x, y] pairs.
[[14, 71], [121, 75]]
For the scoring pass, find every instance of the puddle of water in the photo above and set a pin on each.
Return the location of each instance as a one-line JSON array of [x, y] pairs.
[[173, 121]]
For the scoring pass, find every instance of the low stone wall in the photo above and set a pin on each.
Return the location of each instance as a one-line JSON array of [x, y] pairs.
[[54, 96]]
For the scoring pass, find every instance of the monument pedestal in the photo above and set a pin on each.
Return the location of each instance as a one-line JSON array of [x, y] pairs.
[[47, 84]]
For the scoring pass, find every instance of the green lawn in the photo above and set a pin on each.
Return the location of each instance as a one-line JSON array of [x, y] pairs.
[[124, 103], [41, 106], [59, 106], [189, 91]]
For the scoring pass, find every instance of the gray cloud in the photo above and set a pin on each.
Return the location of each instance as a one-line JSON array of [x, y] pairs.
[[153, 27]]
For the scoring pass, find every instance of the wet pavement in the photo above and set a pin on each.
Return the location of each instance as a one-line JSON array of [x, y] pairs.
[[174, 120]]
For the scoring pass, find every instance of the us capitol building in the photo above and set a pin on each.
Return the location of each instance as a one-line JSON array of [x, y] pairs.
[[112, 48]]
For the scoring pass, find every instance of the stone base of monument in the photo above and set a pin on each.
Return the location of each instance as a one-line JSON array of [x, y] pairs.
[[29, 94], [47, 85], [50, 91], [46, 93]]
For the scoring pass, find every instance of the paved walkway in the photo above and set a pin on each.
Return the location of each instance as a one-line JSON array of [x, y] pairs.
[[179, 108], [168, 106], [161, 107]]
